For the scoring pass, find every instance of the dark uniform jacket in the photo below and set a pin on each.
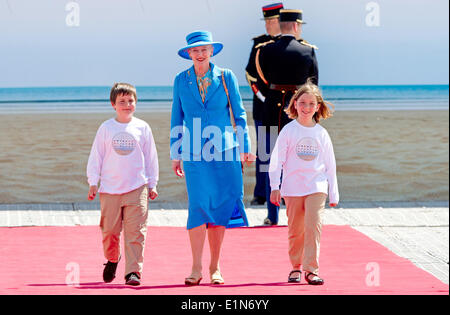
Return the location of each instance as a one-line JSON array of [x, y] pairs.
[[284, 62], [252, 74]]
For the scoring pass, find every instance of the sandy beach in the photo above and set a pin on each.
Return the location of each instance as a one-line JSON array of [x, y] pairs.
[[381, 156]]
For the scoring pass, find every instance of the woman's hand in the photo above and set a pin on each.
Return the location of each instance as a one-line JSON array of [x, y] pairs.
[[176, 167], [92, 192], [152, 193], [275, 197], [248, 158]]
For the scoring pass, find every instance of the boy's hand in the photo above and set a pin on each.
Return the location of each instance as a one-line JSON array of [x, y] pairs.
[[152, 193], [92, 192], [333, 204], [275, 197], [176, 167]]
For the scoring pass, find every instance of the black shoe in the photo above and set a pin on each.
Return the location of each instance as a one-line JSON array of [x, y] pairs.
[[132, 279], [295, 279], [314, 280], [109, 273], [258, 201], [268, 222]]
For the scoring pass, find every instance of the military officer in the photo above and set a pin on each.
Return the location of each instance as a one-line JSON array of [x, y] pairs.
[[271, 15], [282, 67]]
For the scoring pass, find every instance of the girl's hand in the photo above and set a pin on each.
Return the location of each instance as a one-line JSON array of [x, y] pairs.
[[176, 167], [152, 193], [248, 158], [333, 204], [92, 192], [275, 197]]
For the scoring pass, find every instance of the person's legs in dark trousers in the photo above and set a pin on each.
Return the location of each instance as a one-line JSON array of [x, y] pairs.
[[259, 193], [272, 210]]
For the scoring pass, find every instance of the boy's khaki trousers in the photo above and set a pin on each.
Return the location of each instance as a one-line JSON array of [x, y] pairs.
[[304, 230], [130, 211]]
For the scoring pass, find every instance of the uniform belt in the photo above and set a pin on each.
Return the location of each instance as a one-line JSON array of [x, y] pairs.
[[284, 87]]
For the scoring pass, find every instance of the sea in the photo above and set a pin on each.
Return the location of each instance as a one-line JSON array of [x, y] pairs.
[[95, 99]]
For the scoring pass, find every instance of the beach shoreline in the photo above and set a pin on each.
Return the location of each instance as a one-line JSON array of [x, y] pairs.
[[381, 156]]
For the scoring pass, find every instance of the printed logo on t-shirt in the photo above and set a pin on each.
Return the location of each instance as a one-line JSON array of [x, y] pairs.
[[307, 149], [123, 143]]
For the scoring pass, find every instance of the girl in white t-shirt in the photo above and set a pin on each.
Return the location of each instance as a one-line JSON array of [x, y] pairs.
[[304, 153]]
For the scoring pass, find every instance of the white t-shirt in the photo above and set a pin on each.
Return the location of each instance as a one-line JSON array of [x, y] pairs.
[[306, 156], [123, 157]]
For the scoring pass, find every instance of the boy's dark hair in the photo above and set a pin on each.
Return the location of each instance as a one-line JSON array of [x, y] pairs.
[[122, 88]]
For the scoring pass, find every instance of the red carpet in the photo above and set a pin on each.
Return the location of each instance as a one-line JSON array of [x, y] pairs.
[[33, 260]]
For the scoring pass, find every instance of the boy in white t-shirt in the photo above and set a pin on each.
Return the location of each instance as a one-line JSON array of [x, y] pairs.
[[304, 153], [124, 159]]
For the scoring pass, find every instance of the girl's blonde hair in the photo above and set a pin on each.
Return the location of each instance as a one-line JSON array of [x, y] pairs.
[[326, 109]]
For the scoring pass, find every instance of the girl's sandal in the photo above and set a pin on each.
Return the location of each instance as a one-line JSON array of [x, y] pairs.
[[316, 279], [295, 279]]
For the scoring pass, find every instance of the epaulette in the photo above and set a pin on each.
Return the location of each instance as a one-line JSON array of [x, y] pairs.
[[260, 36], [304, 42], [250, 79], [264, 44]]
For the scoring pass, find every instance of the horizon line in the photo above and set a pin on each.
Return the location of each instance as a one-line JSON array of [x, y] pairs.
[[137, 86]]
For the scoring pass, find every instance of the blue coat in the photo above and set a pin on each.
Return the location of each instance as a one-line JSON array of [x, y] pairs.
[[214, 187], [193, 123]]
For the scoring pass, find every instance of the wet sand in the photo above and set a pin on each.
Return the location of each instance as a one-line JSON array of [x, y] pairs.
[[381, 156]]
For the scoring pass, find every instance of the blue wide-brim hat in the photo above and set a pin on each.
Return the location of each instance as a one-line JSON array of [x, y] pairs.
[[199, 38]]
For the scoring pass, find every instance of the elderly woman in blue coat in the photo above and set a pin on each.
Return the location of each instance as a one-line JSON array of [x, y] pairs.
[[208, 150]]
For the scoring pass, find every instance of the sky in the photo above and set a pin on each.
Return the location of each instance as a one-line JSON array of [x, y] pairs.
[[361, 42]]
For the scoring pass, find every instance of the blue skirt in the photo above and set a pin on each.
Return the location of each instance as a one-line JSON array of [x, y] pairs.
[[215, 191]]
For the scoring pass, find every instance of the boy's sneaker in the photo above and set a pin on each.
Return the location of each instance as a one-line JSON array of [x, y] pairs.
[[109, 273], [132, 279]]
